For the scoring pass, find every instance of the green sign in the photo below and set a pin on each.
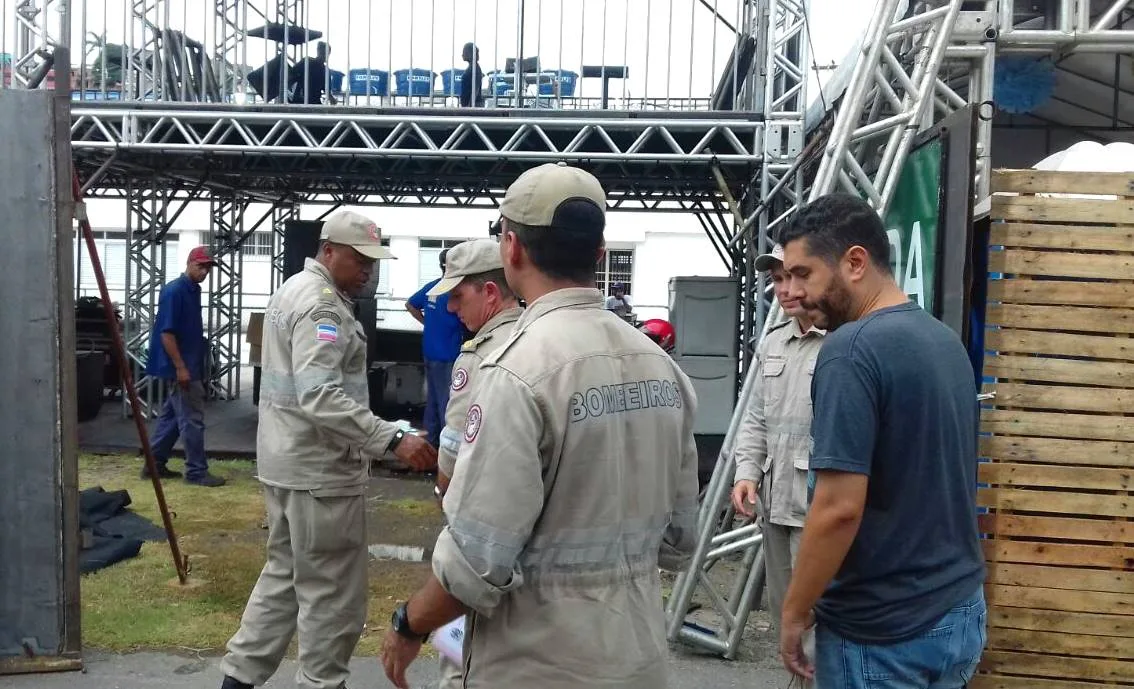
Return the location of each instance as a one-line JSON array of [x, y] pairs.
[[912, 224]]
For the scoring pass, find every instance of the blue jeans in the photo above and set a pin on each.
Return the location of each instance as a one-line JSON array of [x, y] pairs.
[[943, 657], [438, 379], [183, 416]]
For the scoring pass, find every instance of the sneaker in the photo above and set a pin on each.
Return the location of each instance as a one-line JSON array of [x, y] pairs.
[[208, 481], [233, 683], [162, 472]]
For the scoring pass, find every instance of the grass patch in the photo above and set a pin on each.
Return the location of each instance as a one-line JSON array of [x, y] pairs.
[[138, 604], [414, 508]]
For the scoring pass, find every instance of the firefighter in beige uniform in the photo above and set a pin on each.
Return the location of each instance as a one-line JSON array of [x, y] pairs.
[[773, 441], [314, 443], [576, 478], [479, 295]]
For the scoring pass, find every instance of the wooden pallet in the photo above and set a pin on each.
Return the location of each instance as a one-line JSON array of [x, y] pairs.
[[1059, 435]]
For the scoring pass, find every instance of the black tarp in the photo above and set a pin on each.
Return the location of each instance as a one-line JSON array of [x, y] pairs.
[[112, 533]]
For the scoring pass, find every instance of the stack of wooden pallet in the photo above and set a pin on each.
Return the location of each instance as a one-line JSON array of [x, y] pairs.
[[1058, 441]]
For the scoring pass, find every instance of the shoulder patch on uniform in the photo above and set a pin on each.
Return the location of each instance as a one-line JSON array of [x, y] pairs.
[[460, 379], [326, 315], [472, 422], [325, 332], [328, 290]]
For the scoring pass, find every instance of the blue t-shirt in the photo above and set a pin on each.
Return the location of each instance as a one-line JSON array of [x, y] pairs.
[[179, 312], [443, 332], [895, 399]]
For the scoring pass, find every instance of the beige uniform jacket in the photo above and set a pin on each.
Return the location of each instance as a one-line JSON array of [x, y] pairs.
[[773, 442], [576, 479], [316, 430], [465, 369]]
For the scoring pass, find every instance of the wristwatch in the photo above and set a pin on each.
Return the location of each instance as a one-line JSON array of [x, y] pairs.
[[398, 435], [400, 623]]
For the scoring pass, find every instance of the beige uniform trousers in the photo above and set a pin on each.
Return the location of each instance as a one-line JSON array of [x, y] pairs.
[[452, 674], [781, 547], [314, 582]]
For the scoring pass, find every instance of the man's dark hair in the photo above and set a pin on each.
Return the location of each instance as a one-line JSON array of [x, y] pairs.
[[441, 258], [496, 276], [834, 223], [568, 249]]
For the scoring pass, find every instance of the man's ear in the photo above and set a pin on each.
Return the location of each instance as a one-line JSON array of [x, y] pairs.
[[601, 252], [855, 263]]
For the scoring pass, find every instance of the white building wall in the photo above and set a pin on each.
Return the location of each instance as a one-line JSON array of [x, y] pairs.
[[664, 244]]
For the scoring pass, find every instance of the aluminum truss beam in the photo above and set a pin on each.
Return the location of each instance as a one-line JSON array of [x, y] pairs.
[[36, 40], [226, 224], [886, 102], [531, 139], [781, 86]]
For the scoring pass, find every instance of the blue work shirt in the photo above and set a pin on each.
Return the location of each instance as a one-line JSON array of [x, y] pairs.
[[179, 312], [443, 332]]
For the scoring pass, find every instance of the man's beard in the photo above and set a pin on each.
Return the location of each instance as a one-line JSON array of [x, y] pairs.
[[835, 306]]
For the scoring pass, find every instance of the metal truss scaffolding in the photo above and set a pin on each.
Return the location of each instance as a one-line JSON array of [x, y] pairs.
[[779, 90], [146, 224], [226, 218], [36, 40]]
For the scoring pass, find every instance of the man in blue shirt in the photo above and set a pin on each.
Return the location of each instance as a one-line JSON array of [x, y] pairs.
[[177, 356], [890, 566], [441, 338]]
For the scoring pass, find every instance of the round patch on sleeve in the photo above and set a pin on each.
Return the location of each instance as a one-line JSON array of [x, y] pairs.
[[472, 422], [460, 379]]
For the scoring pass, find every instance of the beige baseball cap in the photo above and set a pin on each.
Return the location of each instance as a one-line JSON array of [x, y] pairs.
[[769, 260], [356, 231], [473, 257], [536, 196]]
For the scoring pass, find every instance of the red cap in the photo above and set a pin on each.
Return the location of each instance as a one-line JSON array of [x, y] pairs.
[[201, 254]]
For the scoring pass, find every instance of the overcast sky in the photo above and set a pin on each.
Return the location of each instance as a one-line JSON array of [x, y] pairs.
[[673, 48]]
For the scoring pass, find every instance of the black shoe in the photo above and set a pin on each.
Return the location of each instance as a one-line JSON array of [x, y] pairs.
[[208, 481], [162, 472], [232, 683]]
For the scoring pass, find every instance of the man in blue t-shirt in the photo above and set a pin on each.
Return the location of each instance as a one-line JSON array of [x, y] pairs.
[[177, 356], [441, 338], [890, 566]]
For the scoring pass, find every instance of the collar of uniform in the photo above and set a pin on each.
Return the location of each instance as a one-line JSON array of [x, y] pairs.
[[569, 297], [797, 330], [319, 269], [503, 318]]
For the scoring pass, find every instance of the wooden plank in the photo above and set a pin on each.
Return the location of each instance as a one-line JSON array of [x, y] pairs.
[[1042, 665], [1059, 599], [1121, 626], [1064, 292], [1057, 425], [1043, 578], [1061, 318], [1066, 237], [1058, 642], [1044, 370], [1005, 682], [1069, 554], [1057, 451], [1055, 502], [985, 681], [1022, 526], [1072, 478], [1059, 344], [1062, 397], [1061, 182], [1061, 264], [1063, 210]]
